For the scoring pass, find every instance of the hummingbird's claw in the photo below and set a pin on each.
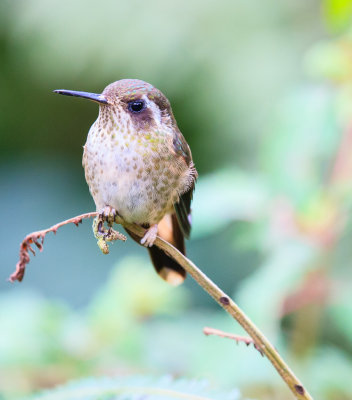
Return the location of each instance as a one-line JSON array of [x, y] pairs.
[[150, 236], [109, 214]]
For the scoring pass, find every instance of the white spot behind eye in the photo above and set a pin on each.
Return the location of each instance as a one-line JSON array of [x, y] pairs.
[[155, 109]]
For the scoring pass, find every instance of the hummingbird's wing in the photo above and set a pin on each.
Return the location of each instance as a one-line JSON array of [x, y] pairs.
[[183, 206], [183, 211]]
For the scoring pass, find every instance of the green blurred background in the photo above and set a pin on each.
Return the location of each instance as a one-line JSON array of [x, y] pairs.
[[262, 91]]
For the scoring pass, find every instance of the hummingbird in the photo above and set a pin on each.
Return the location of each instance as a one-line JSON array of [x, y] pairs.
[[139, 166]]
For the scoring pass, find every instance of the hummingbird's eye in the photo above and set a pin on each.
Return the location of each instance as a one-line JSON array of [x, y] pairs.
[[136, 106]]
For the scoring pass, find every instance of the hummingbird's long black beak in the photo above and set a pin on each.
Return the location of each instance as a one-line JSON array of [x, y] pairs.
[[99, 98]]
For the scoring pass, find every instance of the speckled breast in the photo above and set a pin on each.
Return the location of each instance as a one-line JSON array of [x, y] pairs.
[[135, 173]]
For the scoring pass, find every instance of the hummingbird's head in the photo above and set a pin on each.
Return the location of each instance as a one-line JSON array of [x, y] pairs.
[[131, 100]]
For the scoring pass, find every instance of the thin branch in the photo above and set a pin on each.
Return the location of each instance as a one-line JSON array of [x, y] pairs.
[[37, 238], [259, 340], [237, 338]]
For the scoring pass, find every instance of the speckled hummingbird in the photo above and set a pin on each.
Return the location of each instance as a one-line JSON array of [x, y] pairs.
[[138, 165]]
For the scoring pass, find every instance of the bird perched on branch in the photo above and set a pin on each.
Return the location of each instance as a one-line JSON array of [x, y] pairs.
[[138, 165]]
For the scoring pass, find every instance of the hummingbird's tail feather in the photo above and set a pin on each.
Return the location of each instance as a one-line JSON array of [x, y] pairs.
[[167, 268]]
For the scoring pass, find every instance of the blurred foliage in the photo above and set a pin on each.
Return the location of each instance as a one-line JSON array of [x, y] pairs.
[[338, 13], [128, 328], [264, 96], [138, 388]]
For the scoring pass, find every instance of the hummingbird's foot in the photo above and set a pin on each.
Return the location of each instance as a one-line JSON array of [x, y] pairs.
[[108, 214], [150, 236]]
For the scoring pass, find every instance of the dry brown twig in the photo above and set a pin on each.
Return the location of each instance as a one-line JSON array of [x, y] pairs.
[[37, 238], [260, 342]]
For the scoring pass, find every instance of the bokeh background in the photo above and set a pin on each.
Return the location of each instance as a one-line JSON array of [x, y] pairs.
[[263, 93]]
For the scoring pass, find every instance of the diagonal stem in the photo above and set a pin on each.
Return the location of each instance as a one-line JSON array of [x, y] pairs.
[[232, 308]]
